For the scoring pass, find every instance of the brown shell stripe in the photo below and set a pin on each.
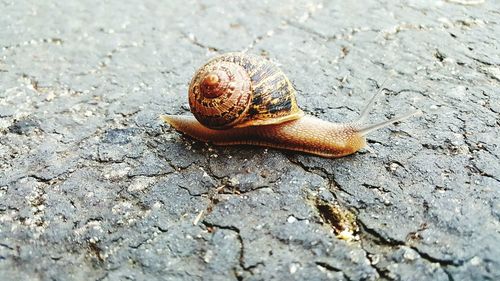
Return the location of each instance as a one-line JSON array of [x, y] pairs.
[[273, 94]]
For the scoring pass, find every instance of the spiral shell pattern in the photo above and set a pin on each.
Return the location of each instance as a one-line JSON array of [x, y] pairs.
[[240, 90], [220, 94]]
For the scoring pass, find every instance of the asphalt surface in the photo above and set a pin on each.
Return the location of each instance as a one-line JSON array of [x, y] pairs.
[[93, 186]]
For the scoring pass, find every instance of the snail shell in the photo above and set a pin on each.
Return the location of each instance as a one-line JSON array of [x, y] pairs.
[[240, 98], [237, 90]]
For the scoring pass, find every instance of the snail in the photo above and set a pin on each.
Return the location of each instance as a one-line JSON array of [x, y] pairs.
[[239, 98]]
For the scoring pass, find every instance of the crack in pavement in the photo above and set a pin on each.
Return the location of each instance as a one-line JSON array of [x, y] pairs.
[[241, 257], [50, 40]]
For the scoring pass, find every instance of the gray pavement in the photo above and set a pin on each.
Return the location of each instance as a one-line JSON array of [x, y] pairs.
[[94, 187]]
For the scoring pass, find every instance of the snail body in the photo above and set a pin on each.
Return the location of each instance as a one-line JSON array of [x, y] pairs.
[[239, 98], [307, 134]]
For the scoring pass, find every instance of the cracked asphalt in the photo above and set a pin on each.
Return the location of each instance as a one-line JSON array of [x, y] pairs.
[[93, 186]]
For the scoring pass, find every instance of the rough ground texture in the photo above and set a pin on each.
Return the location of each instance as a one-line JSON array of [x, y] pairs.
[[94, 187]]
